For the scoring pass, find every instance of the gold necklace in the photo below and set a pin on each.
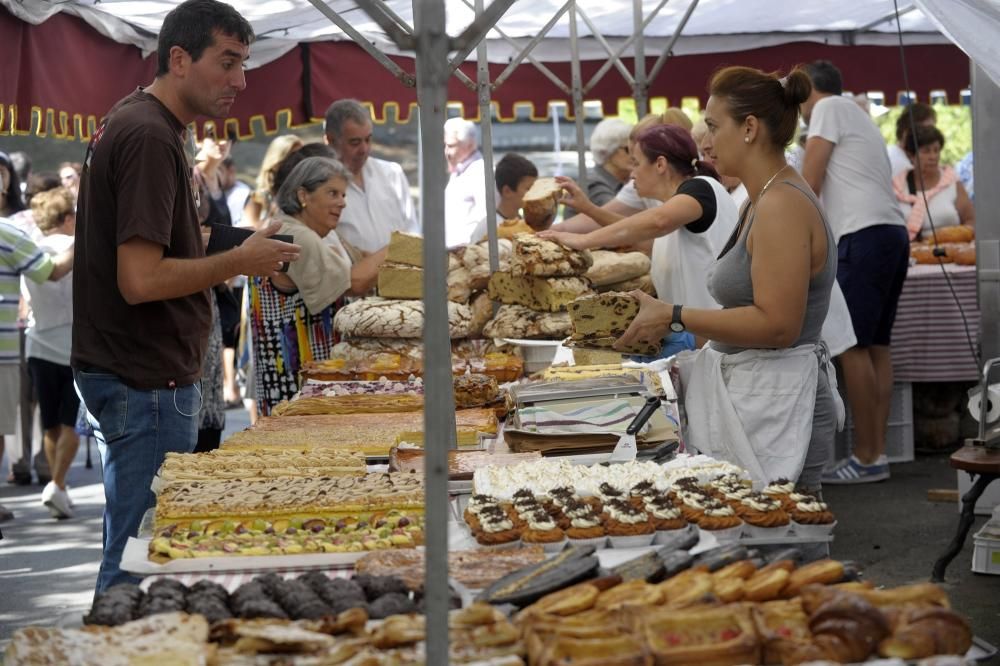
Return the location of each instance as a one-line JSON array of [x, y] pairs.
[[769, 181]]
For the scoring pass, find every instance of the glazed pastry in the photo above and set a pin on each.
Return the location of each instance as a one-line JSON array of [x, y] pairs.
[[626, 520], [764, 511], [541, 529], [665, 515], [718, 516], [812, 512]]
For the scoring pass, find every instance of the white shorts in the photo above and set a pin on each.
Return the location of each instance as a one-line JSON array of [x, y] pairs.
[[10, 392]]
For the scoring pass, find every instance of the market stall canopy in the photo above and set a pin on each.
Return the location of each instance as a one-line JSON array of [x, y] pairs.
[[301, 61]]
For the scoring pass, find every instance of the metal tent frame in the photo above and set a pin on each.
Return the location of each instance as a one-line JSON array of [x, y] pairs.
[[429, 40]]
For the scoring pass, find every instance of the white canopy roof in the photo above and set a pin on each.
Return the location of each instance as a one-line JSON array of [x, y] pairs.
[[715, 25]]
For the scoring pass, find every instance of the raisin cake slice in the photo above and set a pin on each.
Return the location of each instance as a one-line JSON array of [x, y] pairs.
[[546, 294]]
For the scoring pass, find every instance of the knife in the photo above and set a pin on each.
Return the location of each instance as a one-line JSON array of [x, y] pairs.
[[625, 450]]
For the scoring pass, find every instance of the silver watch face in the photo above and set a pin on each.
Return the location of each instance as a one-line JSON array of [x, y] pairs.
[[676, 327]]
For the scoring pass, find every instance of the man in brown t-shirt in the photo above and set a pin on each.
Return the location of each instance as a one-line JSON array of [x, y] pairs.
[[140, 299]]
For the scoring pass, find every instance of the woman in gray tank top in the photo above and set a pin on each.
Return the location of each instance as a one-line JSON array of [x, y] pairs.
[[775, 274]]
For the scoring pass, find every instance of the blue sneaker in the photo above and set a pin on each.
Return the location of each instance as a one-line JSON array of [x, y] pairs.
[[853, 470]]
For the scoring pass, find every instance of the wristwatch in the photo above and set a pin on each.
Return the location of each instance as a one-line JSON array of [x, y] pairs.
[[676, 325]]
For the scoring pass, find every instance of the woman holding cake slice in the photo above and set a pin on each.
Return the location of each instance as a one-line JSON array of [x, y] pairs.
[[292, 316], [688, 229], [756, 395]]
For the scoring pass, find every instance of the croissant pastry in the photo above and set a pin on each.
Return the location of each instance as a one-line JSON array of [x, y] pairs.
[[924, 632], [847, 628]]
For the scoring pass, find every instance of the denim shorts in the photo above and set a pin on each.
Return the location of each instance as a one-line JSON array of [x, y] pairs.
[[135, 430], [871, 268]]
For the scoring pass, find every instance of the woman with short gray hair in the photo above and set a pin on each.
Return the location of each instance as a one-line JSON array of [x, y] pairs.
[[299, 305], [609, 146]]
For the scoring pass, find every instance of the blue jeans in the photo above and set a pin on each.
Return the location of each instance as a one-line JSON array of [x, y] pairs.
[[135, 430]]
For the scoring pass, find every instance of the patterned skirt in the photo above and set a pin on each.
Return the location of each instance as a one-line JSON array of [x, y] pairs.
[[285, 336]]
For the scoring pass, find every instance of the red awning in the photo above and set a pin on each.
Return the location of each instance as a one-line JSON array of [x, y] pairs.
[[78, 82]]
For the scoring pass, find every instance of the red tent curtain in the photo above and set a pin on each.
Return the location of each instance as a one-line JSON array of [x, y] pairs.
[[76, 83]]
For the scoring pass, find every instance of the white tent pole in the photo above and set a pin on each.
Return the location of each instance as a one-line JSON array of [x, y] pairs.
[[532, 59], [406, 78], [439, 408], [509, 69], [986, 148], [667, 50], [599, 38], [486, 127], [640, 89], [599, 74], [578, 111]]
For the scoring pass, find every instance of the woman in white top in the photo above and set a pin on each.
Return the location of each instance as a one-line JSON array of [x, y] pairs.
[[48, 345], [688, 229], [947, 200]]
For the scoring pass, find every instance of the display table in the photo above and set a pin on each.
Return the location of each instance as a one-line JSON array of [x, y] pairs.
[[928, 339]]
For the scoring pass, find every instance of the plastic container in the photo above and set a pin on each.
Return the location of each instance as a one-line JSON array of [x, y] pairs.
[[540, 354], [597, 542], [637, 541], [728, 535], [756, 532], [899, 436], [986, 554], [804, 530]]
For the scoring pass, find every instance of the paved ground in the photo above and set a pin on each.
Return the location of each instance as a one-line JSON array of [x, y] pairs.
[[48, 568]]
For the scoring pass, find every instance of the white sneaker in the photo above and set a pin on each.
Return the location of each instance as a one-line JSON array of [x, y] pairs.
[[57, 501]]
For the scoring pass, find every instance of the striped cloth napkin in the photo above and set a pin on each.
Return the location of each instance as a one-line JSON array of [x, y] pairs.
[[608, 417]]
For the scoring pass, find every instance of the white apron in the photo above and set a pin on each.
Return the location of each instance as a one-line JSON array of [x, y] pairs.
[[753, 409]]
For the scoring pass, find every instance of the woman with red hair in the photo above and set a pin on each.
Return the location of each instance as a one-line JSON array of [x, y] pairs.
[[688, 229]]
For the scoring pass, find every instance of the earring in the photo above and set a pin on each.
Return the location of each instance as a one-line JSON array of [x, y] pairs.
[[303, 204], [746, 139]]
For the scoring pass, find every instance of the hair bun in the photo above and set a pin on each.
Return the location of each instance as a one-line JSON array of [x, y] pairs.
[[797, 86]]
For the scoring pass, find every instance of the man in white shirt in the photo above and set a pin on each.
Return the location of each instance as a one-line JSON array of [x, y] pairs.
[[465, 194], [378, 196], [847, 166]]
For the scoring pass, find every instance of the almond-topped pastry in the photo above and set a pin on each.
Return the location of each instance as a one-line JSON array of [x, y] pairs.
[[575, 509], [588, 526], [642, 492], [476, 504], [608, 492], [623, 519], [734, 496], [496, 531], [688, 483], [794, 498], [779, 489], [812, 512], [692, 504], [718, 516], [666, 516], [541, 529], [763, 511]]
